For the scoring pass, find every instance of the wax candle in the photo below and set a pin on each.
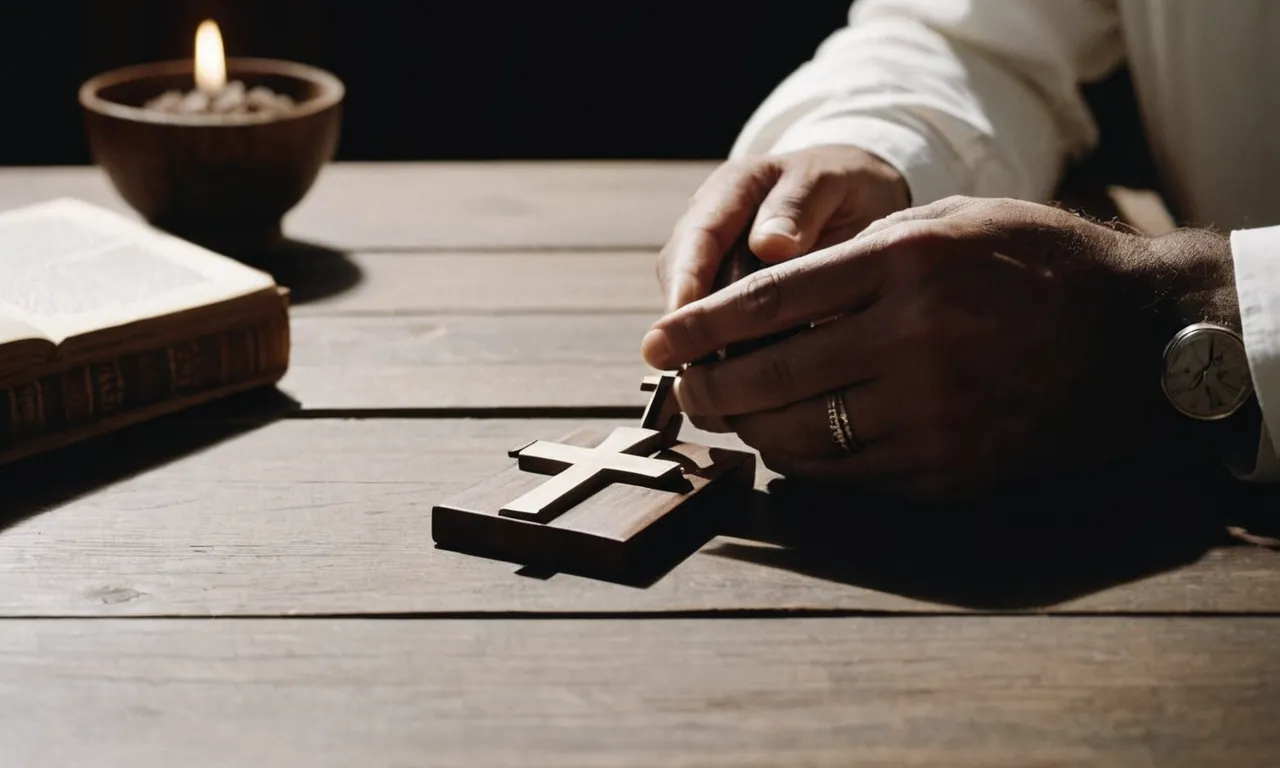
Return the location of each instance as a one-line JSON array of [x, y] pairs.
[[212, 93]]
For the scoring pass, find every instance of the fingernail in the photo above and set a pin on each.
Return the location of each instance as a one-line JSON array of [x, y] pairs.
[[780, 226], [656, 350]]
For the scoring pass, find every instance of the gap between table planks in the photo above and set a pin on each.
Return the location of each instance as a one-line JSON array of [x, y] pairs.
[[562, 348], [950, 692], [332, 516], [441, 330]]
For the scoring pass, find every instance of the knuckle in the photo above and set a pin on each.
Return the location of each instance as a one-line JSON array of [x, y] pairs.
[[955, 203], [791, 202], [914, 247], [761, 296], [727, 174]]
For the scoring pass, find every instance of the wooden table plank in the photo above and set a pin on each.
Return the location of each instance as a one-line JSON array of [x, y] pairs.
[[471, 330], [327, 516], [474, 361], [522, 205], [373, 283], [905, 692]]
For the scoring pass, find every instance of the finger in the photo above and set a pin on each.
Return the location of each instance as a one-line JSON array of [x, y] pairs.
[[803, 430], [794, 214], [991, 222], [709, 423], [937, 209], [780, 297], [845, 351], [718, 214]]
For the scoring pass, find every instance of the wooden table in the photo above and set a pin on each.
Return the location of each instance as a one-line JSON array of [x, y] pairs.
[[255, 583]]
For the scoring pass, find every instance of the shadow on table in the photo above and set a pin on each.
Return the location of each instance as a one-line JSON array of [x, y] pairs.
[[44, 481], [310, 271], [1023, 549]]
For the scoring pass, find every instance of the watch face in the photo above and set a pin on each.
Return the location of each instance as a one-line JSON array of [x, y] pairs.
[[1206, 373]]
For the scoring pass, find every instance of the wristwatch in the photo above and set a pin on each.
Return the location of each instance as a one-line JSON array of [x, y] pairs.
[[1206, 372]]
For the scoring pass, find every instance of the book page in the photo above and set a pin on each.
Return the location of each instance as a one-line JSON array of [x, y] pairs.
[[21, 345], [67, 268], [12, 330]]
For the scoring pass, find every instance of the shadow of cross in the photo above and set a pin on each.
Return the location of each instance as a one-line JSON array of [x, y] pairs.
[[579, 472]]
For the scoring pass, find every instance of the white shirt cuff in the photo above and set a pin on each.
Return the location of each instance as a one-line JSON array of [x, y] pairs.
[[1256, 256]]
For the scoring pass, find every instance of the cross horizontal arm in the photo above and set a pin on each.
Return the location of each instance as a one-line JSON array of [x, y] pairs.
[[548, 457]]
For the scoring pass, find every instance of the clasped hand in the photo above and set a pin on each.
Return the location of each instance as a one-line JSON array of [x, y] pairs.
[[972, 341]]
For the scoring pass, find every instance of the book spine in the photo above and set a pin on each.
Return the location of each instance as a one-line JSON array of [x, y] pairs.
[[100, 390]]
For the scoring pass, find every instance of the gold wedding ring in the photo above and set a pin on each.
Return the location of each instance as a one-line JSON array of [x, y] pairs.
[[838, 423]]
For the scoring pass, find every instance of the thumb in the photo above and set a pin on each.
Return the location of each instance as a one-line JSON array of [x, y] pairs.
[[794, 213]]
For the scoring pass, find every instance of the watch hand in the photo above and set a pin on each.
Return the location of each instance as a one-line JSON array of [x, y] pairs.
[[1213, 400], [1205, 368]]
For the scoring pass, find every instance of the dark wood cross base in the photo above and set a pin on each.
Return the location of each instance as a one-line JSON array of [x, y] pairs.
[[623, 528]]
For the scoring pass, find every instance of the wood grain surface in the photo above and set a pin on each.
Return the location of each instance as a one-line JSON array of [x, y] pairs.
[[824, 692], [332, 516], [470, 361], [450, 282], [441, 313], [520, 205], [441, 330]]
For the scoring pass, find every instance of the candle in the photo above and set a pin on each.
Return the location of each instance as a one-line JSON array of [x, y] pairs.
[[222, 154], [212, 93], [211, 62]]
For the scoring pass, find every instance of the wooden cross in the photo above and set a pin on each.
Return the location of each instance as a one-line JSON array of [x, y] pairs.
[[677, 504], [621, 458], [579, 472]]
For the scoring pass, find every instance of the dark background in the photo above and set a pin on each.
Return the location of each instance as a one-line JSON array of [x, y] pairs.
[[485, 79], [425, 80]]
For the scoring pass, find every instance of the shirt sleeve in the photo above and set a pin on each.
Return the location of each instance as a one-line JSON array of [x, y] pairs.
[[1256, 256], [974, 97]]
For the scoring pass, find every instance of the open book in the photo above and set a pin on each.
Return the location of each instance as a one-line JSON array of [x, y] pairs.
[[105, 321]]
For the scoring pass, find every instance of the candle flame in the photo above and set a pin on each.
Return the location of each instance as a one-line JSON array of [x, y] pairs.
[[211, 63]]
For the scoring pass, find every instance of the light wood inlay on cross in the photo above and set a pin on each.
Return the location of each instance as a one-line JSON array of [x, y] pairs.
[[579, 472]]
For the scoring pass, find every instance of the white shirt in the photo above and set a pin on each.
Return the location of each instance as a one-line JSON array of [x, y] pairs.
[[981, 98]]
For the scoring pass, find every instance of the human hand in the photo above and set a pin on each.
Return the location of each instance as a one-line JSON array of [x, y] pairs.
[[794, 203], [972, 341]]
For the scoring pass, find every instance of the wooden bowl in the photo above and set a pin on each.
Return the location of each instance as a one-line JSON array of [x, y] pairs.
[[223, 181]]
